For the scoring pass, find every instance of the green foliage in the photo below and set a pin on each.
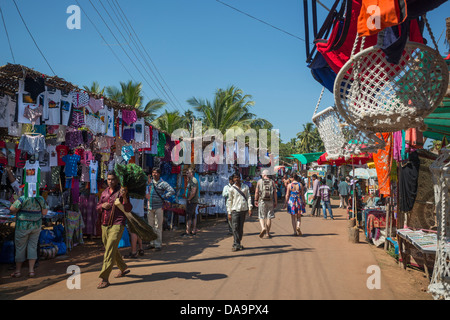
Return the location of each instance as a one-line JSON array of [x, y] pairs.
[[132, 177]]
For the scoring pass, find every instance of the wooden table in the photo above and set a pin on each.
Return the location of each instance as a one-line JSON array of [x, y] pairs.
[[405, 246]]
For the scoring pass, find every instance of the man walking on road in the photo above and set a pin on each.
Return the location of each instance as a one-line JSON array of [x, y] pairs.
[[266, 201], [325, 194], [316, 195], [113, 224], [238, 204], [225, 193]]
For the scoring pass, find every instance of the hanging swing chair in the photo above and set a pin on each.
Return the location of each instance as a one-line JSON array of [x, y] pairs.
[[377, 96], [342, 139]]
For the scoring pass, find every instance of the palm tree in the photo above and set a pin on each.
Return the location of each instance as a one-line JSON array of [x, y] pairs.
[[230, 109], [152, 107], [130, 93], [95, 88], [170, 121], [307, 138]]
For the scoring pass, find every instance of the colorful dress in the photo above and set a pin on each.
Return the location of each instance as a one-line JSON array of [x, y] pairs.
[[296, 203]]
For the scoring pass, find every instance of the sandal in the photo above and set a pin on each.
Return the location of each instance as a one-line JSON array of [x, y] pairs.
[[103, 284], [31, 275], [131, 256], [16, 275], [262, 233], [122, 273], [141, 252]]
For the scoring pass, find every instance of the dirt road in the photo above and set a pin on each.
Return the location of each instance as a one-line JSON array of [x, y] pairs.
[[322, 264]]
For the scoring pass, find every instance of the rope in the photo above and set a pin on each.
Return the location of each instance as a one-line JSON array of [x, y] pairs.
[[430, 31], [318, 102]]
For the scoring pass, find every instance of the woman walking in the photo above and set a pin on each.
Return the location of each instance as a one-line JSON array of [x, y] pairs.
[[295, 203]]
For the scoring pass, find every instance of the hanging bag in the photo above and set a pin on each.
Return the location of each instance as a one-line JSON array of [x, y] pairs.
[[376, 15]]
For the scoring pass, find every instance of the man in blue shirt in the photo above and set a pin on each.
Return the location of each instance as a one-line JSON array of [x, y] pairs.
[[158, 191]]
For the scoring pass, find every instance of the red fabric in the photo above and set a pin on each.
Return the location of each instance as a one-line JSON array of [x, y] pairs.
[[357, 159], [337, 58]]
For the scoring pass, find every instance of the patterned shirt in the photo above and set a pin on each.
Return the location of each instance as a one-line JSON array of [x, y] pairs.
[[29, 215]]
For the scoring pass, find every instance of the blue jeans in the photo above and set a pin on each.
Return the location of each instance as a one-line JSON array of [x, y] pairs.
[[325, 205]]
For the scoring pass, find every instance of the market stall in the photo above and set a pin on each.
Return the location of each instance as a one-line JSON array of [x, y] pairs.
[[59, 141]]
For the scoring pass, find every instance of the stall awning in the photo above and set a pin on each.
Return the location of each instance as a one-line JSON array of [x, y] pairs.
[[438, 122], [306, 158]]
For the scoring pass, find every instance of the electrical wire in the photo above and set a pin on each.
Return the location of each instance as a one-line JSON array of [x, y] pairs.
[[266, 23], [116, 3], [35, 43], [103, 38], [164, 93], [101, 17], [7, 35]]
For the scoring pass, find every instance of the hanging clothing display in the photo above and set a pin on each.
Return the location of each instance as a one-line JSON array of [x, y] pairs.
[[408, 179]]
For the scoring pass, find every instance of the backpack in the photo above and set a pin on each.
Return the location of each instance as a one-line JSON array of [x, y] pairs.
[[267, 190]]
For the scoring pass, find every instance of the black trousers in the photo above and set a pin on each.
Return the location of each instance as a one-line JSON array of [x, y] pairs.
[[237, 225], [316, 206]]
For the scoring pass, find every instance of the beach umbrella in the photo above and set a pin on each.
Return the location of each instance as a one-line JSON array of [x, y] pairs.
[[362, 173]]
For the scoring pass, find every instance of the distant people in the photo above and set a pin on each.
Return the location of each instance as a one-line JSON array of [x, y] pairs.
[[325, 197], [225, 193], [295, 203], [343, 193], [192, 202], [316, 196], [238, 204], [266, 201]]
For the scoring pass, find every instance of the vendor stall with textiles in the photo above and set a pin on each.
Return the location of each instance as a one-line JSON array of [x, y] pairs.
[[60, 142]]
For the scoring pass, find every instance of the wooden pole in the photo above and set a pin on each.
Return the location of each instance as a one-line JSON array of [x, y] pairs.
[[64, 213], [388, 214]]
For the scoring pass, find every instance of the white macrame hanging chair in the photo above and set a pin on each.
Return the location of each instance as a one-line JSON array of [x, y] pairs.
[[439, 285], [341, 139], [377, 96]]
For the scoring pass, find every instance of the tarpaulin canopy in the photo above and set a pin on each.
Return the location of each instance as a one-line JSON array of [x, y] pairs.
[[354, 159], [438, 122], [306, 158]]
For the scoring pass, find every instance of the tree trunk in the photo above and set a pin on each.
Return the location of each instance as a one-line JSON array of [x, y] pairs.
[[353, 234]]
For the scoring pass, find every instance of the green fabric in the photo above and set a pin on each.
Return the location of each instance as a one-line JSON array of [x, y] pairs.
[[161, 145], [306, 158], [133, 178], [29, 215]]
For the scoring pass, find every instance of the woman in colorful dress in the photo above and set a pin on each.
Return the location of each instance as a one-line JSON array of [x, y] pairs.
[[295, 203]]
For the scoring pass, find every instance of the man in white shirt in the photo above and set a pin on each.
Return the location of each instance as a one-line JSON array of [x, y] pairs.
[[315, 210], [239, 202]]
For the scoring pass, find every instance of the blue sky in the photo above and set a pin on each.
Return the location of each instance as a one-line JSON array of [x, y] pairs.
[[197, 46]]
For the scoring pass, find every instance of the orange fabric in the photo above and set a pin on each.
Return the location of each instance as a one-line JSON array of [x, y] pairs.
[[383, 163], [376, 15], [414, 138]]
